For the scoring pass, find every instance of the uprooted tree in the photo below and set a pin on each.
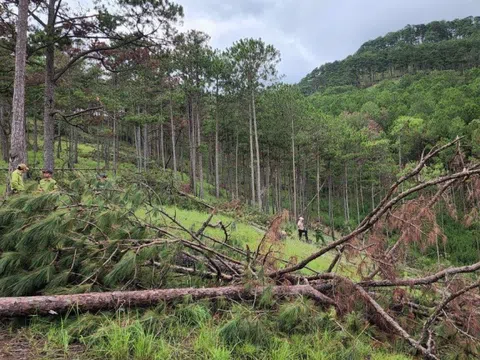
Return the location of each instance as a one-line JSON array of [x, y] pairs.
[[94, 238]]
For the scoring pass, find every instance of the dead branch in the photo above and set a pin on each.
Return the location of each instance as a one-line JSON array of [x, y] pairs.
[[440, 307], [385, 316], [427, 280]]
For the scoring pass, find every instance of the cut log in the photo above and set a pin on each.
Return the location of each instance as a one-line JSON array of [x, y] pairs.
[[61, 304]]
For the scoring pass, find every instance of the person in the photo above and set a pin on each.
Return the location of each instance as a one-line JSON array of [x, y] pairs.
[[102, 177], [101, 182], [319, 234], [47, 184], [16, 181], [302, 229]]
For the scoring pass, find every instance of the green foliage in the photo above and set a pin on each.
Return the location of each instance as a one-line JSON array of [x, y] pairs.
[[299, 316], [434, 46], [245, 327]]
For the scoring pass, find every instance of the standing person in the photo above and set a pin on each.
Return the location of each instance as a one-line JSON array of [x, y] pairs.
[[16, 181], [47, 184], [319, 234], [302, 229]]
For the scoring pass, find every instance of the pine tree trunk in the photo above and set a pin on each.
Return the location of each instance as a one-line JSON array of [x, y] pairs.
[[59, 143], [318, 188], [280, 199], [35, 140], [267, 184], [200, 153], [357, 200], [18, 145], [62, 304], [48, 118], [252, 171], [347, 200], [4, 143], [76, 145], [217, 154], [294, 174], [145, 147], [193, 146], [162, 146], [115, 144], [330, 206], [373, 197], [172, 125], [259, 178], [236, 166]]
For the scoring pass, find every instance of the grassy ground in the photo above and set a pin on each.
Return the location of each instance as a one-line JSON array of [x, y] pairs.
[[203, 330]]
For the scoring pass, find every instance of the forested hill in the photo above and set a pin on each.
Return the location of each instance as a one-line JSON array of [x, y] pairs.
[[439, 45]]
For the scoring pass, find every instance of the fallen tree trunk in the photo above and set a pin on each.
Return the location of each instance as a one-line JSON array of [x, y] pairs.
[[61, 304]]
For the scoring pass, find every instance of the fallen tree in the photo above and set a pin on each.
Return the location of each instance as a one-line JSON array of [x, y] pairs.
[[62, 304]]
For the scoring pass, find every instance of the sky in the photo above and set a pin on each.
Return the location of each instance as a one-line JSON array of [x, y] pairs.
[[309, 33]]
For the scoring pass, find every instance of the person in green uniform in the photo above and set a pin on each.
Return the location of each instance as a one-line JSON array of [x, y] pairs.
[[319, 235], [47, 184], [16, 181]]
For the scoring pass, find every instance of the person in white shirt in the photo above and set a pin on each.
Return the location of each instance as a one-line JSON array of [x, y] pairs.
[[302, 229]]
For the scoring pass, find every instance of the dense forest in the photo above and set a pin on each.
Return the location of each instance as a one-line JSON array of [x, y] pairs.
[[378, 152], [439, 45]]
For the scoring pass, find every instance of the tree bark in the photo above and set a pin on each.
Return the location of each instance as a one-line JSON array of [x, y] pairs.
[[4, 133], [48, 117], [259, 188], [217, 150], [61, 304], [162, 146], [199, 153], [236, 166], [193, 146], [172, 125], [18, 144], [294, 173], [252, 168], [318, 188]]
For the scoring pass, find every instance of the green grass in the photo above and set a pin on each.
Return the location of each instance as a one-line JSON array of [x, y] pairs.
[[237, 332]]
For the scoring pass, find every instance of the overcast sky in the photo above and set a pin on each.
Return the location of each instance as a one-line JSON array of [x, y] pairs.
[[309, 33]]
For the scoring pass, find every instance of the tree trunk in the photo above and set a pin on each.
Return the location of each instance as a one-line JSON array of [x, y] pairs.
[[318, 188], [48, 118], [193, 146], [62, 304], [259, 178], [200, 153], [172, 125], [162, 146], [373, 197], [252, 171], [217, 154], [59, 143], [115, 144], [330, 206], [357, 200], [347, 200], [145, 147], [4, 134], [18, 145], [35, 140], [294, 173], [267, 184], [236, 166]]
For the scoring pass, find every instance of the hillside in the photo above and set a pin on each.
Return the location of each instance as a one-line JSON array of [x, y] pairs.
[[439, 45]]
